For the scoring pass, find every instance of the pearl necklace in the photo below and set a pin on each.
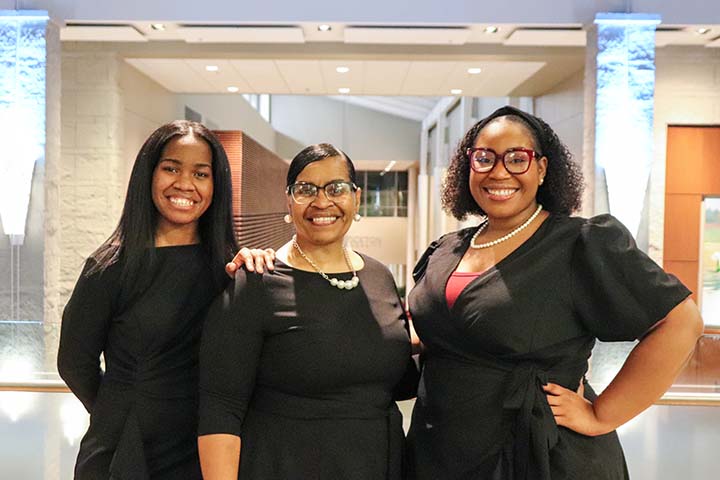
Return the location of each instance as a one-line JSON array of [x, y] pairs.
[[341, 284], [504, 237]]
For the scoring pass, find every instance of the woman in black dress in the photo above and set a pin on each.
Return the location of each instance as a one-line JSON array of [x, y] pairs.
[[303, 364], [140, 302], [509, 311]]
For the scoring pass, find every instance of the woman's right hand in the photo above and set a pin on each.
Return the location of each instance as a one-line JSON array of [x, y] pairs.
[[253, 259]]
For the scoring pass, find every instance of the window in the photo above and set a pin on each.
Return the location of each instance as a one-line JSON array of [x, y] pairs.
[[710, 262], [384, 194], [260, 102]]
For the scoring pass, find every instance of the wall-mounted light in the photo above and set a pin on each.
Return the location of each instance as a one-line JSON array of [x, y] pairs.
[[324, 27], [212, 68], [456, 91], [233, 89], [491, 29], [474, 70], [702, 31], [342, 69], [343, 90], [158, 26]]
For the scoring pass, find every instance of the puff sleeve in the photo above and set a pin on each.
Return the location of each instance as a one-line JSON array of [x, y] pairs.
[[618, 291]]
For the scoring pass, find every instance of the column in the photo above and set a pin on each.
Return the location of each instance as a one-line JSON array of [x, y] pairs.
[[619, 98]]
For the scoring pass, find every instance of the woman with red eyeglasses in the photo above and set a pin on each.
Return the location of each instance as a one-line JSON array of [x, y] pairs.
[[508, 313]]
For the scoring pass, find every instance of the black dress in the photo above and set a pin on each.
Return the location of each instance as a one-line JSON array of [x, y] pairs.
[[306, 374], [143, 409], [481, 412]]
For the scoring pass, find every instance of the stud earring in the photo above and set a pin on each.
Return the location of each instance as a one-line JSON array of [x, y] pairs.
[[542, 180], [357, 217], [287, 218]]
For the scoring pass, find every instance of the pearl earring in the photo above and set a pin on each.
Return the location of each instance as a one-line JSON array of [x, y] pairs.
[[357, 217], [287, 218], [542, 180]]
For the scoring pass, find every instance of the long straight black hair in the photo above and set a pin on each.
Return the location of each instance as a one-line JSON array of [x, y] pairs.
[[135, 234]]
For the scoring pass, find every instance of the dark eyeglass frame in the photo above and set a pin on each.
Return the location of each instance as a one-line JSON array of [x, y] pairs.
[[289, 189], [531, 153]]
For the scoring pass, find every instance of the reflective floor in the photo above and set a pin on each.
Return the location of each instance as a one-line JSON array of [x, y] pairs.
[[40, 433]]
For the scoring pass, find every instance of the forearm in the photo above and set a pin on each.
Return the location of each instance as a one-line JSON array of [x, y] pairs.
[[650, 369], [219, 456]]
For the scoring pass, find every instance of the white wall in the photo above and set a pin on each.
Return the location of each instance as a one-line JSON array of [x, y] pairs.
[[687, 92], [229, 112], [362, 133], [146, 106], [563, 109]]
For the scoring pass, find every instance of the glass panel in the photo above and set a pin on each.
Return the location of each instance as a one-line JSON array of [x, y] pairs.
[[380, 194], [710, 297]]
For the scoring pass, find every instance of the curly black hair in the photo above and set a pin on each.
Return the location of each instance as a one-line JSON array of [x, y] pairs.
[[561, 191]]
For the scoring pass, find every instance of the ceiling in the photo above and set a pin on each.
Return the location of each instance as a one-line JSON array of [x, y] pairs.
[[378, 60]]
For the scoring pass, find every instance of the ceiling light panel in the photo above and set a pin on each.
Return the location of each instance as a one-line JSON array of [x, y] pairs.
[[541, 37], [263, 76], [105, 33], [352, 79], [174, 74], [224, 76], [384, 77], [304, 77], [407, 35], [427, 78], [241, 34]]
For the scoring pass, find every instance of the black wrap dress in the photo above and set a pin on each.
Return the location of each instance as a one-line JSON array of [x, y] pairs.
[[306, 374], [143, 409], [534, 317]]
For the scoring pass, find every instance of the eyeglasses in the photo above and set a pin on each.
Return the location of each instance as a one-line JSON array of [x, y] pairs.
[[305, 192], [517, 160]]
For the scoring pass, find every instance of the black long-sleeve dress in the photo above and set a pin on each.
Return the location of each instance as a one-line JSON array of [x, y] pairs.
[[481, 412], [143, 409], [306, 373]]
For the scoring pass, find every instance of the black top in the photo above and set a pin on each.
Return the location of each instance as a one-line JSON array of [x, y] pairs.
[[306, 374], [532, 318], [143, 410]]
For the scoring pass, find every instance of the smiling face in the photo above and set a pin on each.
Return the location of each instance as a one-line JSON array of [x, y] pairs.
[[322, 221], [182, 188], [500, 194]]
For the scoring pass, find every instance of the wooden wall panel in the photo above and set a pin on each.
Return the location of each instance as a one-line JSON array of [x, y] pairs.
[[687, 272], [259, 201], [682, 227], [692, 160]]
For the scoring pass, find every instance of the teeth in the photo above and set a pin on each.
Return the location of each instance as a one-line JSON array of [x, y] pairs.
[[323, 220], [182, 202], [503, 193]]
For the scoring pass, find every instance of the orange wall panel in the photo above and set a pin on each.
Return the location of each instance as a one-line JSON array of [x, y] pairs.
[[682, 227], [692, 160], [686, 272]]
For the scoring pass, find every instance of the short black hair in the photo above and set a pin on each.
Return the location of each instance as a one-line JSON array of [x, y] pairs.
[[561, 192], [315, 153], [136, 229]]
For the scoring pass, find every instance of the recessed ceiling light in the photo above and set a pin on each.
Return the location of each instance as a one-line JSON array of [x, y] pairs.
[[702, 31], [233, 89], [456, 91], [491, 29], [343, 90], [342, 69], [158, 26], [474, 70], [324, 27], [212, 68]]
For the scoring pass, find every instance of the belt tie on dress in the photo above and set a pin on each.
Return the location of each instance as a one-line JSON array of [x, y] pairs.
[[526, 449]]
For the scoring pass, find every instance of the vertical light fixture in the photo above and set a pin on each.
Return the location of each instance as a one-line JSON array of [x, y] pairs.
[[625, 88], [23, 61]]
